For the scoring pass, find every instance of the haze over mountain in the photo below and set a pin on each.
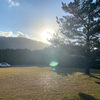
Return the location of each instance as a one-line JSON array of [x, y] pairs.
[[20, 43]]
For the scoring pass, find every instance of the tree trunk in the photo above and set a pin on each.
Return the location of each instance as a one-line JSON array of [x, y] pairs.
[[87, 71], [87, 55], [87, 67]]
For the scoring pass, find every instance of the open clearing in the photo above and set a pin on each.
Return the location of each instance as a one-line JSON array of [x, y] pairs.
[[35, 83]]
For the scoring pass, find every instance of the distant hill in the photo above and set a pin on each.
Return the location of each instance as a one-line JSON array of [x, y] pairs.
[[20, 43]]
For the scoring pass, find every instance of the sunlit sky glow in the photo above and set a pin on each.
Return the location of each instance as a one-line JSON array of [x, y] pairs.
[[29, 18]]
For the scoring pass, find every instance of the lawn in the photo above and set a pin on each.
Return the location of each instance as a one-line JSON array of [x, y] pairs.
[[36, 83]]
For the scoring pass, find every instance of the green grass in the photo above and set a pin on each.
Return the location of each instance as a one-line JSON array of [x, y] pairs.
[[35, 83]]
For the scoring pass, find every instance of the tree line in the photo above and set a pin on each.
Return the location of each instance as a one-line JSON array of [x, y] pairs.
[[70, 56]]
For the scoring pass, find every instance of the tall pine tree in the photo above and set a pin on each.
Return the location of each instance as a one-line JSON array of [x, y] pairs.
[[81, 25]]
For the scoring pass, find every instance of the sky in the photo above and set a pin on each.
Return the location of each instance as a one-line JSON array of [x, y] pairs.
[[30, 18]]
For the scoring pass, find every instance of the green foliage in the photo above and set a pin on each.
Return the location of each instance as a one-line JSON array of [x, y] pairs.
[[80, 26], [72, 56], [44, 57]]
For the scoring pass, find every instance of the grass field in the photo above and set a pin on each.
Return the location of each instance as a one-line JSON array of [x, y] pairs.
[[35, 83]]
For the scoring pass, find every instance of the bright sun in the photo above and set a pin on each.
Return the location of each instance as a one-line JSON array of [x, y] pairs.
[[47, 35]]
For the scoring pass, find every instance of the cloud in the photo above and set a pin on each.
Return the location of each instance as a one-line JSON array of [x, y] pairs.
[[12, 3], [6, 34], [9, 0], [11, 34], [19, 34]]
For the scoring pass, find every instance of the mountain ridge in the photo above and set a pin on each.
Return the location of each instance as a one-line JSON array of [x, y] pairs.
[[21, 43]]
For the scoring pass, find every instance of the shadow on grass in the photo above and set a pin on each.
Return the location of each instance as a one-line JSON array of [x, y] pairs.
[[94, 76], [84, 96], [98, 83], [65, 71]]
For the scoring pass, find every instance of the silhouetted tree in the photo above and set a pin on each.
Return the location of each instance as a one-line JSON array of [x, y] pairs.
[[81, 26]]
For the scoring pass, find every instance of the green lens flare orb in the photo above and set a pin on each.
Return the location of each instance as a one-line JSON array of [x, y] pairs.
[[53, 64], [53, 68]]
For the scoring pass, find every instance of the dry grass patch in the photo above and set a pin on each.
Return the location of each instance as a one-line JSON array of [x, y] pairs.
[[35, 83]]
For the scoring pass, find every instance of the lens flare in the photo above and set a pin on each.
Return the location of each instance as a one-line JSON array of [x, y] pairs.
[[53, 68], [53, 63]]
